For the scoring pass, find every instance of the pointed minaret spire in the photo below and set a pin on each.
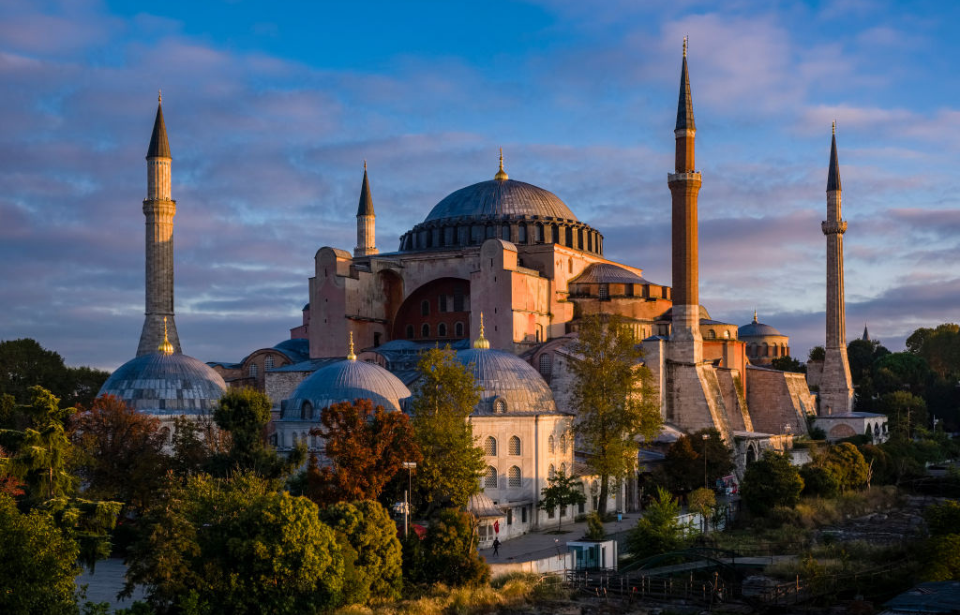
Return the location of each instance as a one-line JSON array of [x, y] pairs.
[[501, 174], [833, 174], [866, 334], [366, 220], [159, 326], [685, 106]]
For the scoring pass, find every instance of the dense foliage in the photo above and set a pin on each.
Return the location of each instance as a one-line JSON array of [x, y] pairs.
[[659, 529], [612, 396], [684, 465], [561, 491], [24, 364], [448, 554], [771, 481]]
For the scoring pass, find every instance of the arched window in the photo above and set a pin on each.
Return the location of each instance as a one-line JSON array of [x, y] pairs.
[[458, 329], [552, 471], [505, 232], [539, 233], [563, 444], [306, 411], [563, 469], [490, 446], [424, 308], [726, 334], [513, 477], [546, 364], [711, 334], [499, 406], [569, 265], [522, 233], [409, 332], [551, 444], [252, 370], [490, 478], [425, 330], [442, 330], [268, 362], [513, 447]]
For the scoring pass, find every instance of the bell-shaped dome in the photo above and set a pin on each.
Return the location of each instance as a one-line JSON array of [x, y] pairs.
[[346, 380], [509, 383], [166, 384]]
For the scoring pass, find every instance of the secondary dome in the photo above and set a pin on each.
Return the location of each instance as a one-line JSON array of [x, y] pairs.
[[501, 199], [509, 383], [166, 384], [757, 329], [345, 381]]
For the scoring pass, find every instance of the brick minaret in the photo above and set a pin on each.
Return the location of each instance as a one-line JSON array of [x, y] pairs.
[[687, 345], [159, 210], [836, 388], [366, 221]]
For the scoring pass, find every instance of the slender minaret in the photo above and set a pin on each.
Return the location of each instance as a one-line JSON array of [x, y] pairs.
[[366, 220], [687, 345], [159, 210], [836, 387]]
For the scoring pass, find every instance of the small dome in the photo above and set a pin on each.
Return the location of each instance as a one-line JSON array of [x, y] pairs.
[[757, 329], [509, 383], [501, 198], [166, 385], [346, 381]]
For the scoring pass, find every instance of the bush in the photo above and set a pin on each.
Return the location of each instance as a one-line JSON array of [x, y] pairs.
[[819, 482], [658, 530], [448, 554], [595, 529], [771, 481], [943, 519], [372, 535]]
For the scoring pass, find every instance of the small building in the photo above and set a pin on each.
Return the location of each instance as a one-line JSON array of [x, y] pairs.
[[849, 424]]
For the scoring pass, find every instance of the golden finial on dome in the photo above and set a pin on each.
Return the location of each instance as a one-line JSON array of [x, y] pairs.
[[501, 174], [481, 342], [166, 347], [754, 316], [350, 355]]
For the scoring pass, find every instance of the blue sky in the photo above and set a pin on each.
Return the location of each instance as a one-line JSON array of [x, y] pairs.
[[271, 109]]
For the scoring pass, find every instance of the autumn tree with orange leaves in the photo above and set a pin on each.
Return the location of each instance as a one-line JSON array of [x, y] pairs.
[[365, 448]]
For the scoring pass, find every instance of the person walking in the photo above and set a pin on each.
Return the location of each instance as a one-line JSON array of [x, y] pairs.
[[496, 546]]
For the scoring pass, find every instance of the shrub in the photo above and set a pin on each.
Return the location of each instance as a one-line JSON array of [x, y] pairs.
[[372, 535], [819, 481], [658, 530], [450, 552], [771, 481]]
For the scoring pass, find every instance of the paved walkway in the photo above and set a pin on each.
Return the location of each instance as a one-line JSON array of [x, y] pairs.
[[539, 544]]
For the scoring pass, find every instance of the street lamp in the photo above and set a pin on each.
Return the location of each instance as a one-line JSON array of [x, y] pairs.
[[409, 466], [705, 438]]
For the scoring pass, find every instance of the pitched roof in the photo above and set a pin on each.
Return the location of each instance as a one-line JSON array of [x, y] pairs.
[[365, 208], [833, 175], [159, 146]]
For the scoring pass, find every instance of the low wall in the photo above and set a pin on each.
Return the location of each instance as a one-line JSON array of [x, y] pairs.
[[553, 563]]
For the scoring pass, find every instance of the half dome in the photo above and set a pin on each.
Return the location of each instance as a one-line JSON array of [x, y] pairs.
[[501, 199], [509, 383], [166, 385], [346, 380]]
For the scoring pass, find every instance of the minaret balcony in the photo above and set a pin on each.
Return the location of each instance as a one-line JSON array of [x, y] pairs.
[[692, 176], [833, 227]]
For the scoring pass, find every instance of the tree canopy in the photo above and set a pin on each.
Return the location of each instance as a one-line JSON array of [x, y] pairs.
[[683, 466], [24, 363], [562, 491], [771, 481], [613, 398], [659, 529]]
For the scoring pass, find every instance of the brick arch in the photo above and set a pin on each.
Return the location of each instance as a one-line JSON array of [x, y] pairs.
[[456, 294], [841, 431]]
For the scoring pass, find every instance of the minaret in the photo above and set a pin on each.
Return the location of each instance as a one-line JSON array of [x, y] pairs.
[[687, 345], [366, 221], [836, 387], [159, 210]]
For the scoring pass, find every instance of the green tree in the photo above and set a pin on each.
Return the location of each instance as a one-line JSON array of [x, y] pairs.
[[817, 353], [613, 398], [365, 446], [235, 546], [452, 462], [942, 558], [244, 413], [38, 563], [562, 491], [848, 465], [659, 529], [905, 412], [771, 481], [702, 501], [24, 364], [819, 481], [788, 364], [449, 552], [940, 348], [684, 464], [943, 518], [862, 355], [595, 530], [123, 454], [372, 534]]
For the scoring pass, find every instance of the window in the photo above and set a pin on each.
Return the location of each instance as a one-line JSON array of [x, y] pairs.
[[539, 233], [499, 406], [513, 447], [252, 370], [458, 296], [268, 362], [551, 444], [409, 332], [490, 446], [424, 330], [509, 516], [604, 291], [569, 265], [726, 334], [442, 330], [563, 469], [523, 514], [546, 364], [458, 329], [513, 477], [443, 303], [522, 234], [376, 339], [505, 233], [490, 478], [563, 444], [552, 471], [424, 308], [711, 334], [306, 411]]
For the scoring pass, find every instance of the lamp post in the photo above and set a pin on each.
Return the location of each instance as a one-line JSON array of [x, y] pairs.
[[705, 438], [409, 466]]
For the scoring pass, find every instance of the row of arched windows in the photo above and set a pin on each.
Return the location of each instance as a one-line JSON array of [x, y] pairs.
[[552, 471], [514, 446], [767, 350], [582, 238], [442, 330], [296, 437], [552, 444], [491, 478]]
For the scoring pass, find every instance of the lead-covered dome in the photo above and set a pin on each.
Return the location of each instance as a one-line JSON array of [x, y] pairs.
[[501, 198], [509, 383], [166, 384], [346, 380]]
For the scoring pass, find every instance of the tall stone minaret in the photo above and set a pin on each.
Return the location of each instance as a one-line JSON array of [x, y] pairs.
[[159, 210], [366, 221], [687, 345], [836, 387]]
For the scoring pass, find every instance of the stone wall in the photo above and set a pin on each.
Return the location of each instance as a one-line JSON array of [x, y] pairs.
[[779, 401]]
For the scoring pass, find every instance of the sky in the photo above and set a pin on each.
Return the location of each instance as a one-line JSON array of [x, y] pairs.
[[271, 109]]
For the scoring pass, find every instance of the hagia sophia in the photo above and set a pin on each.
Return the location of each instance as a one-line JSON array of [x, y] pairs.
[[503, 272]]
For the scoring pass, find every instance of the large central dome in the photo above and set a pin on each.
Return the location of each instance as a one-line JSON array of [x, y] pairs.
[[501, 198]]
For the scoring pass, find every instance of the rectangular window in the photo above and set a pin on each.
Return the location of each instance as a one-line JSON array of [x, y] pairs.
[[523, 514], [509, 516], [550, 513], [458, 299], [443, 303]]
